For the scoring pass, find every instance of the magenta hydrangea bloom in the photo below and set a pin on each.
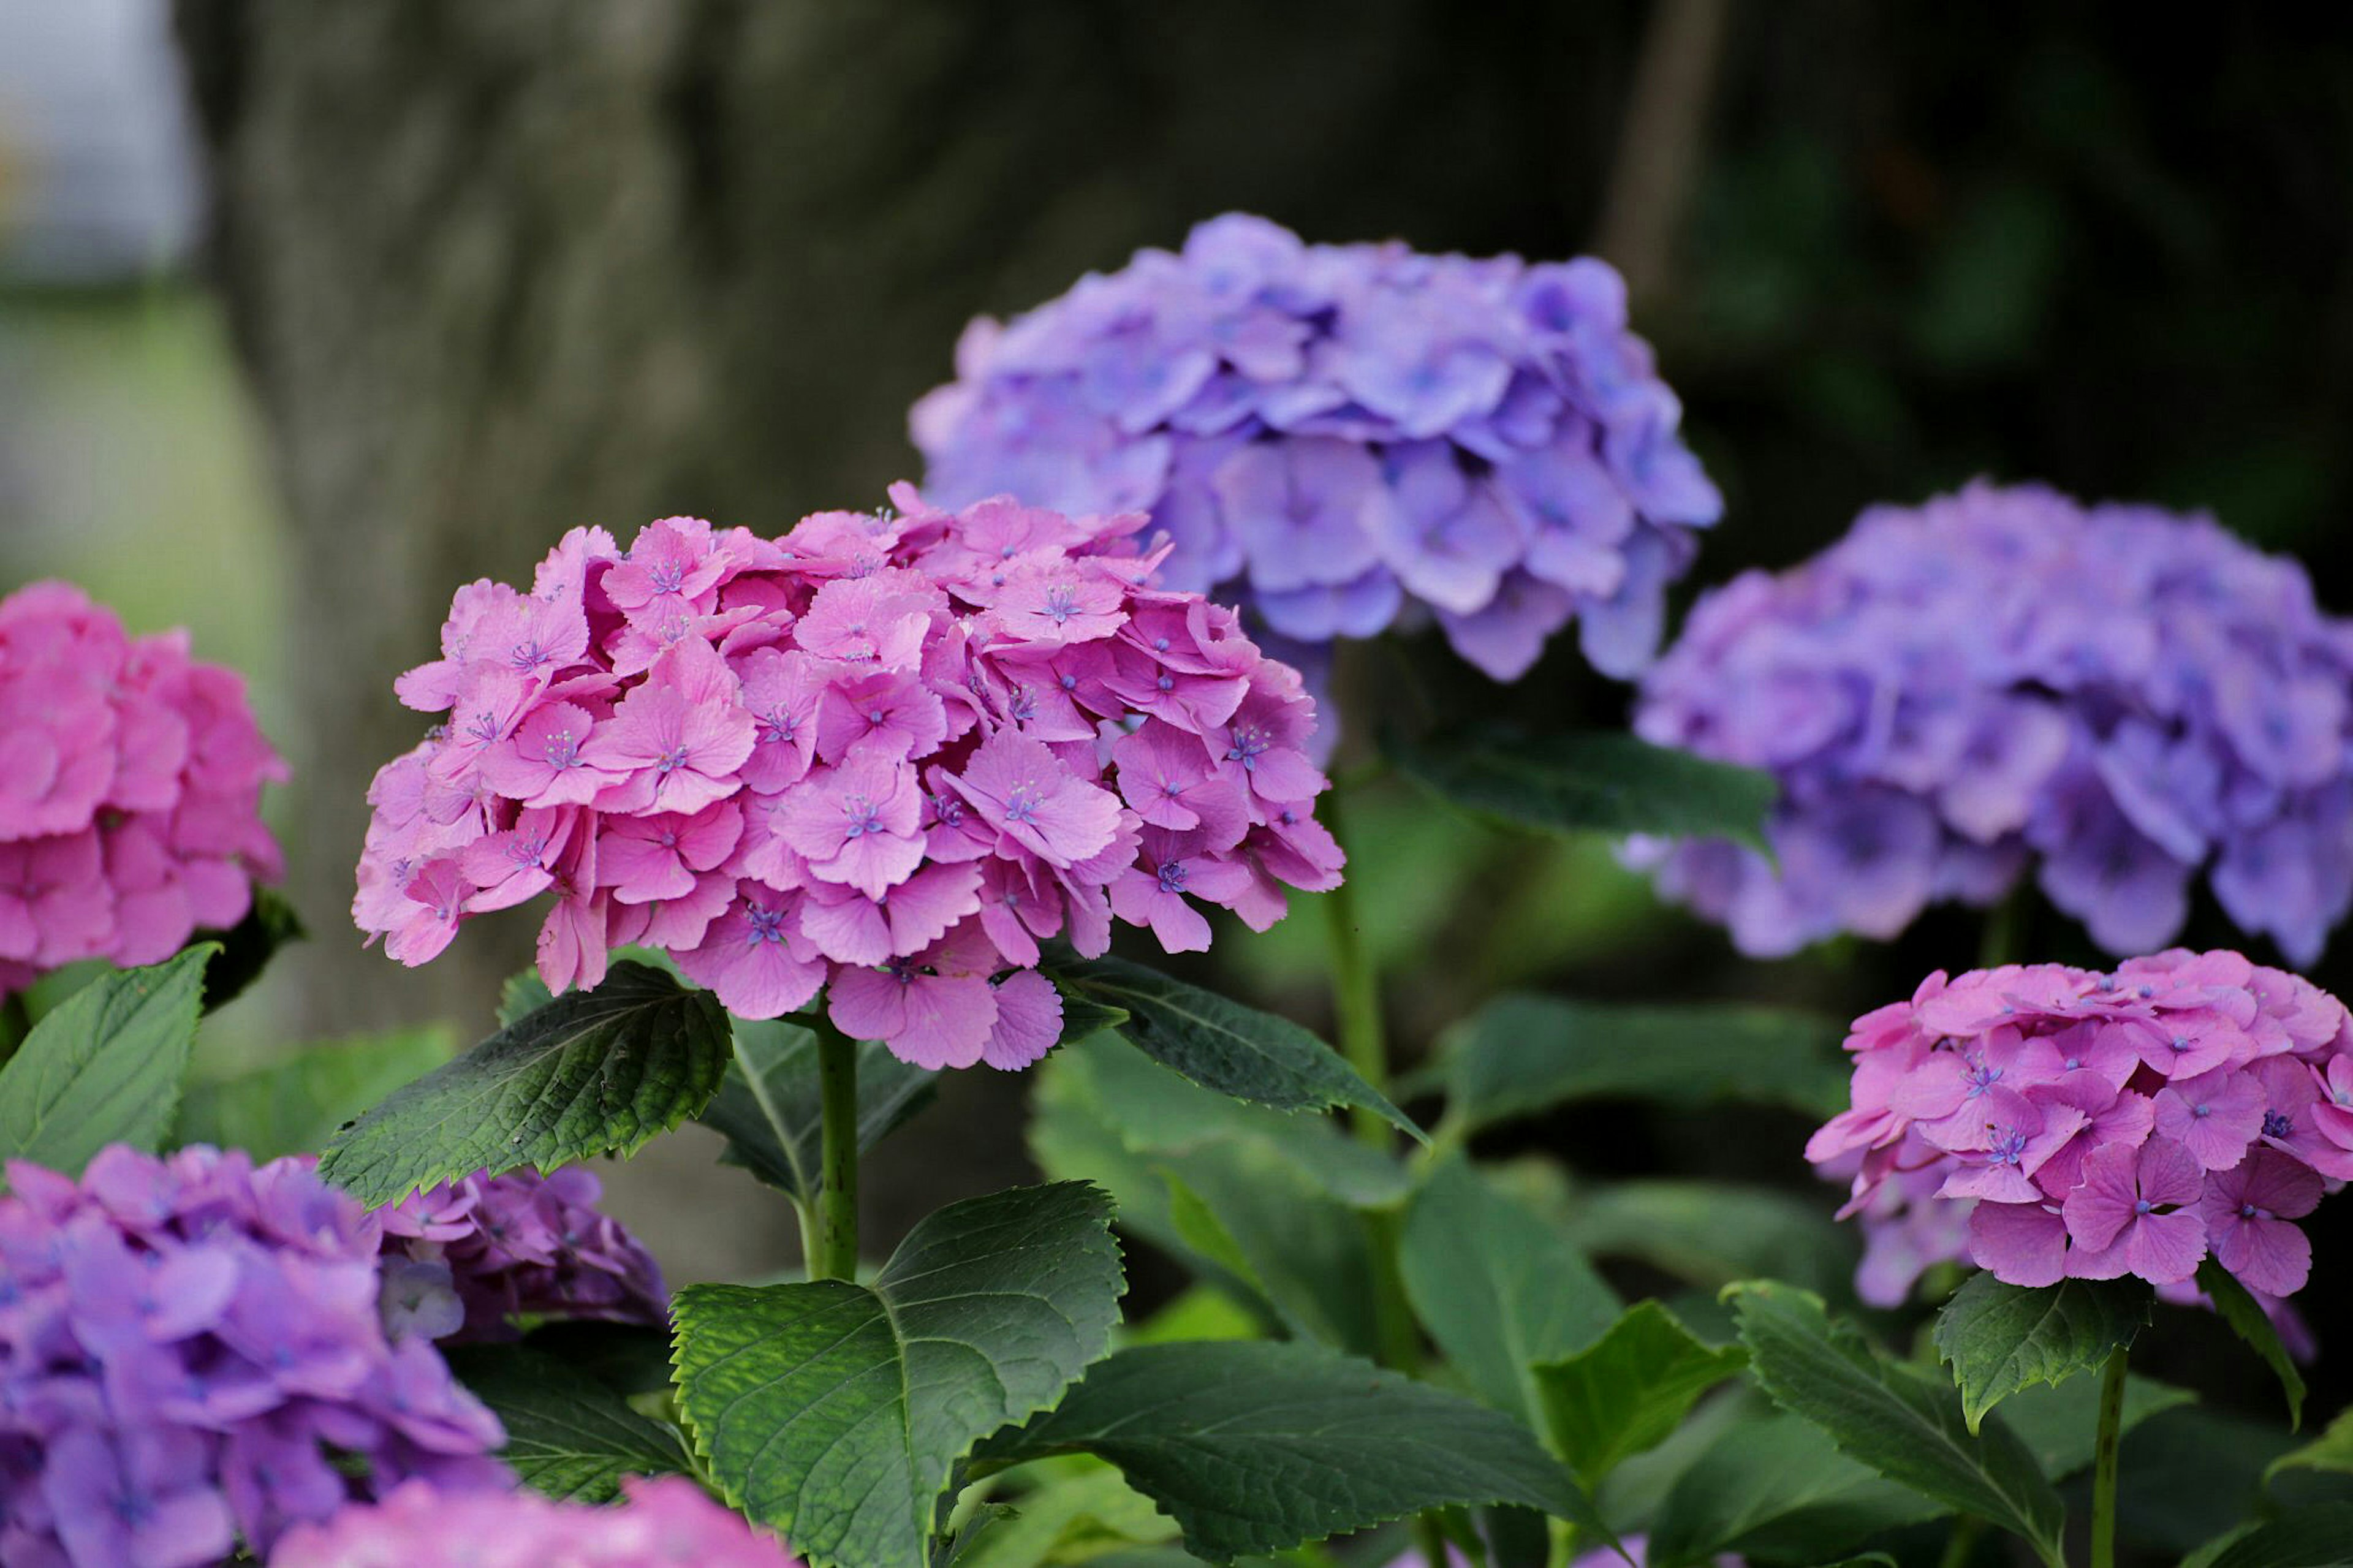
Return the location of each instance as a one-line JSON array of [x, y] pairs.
[[2049, 1123], [1342, 438], [889, 754], [471, 1256], [2121, 697], [665, 1523], [129, 790], [193, 1355]]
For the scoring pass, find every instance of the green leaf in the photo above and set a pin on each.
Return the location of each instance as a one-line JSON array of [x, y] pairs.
[[2320, 1536], [569, 1434], [1714, 1232], [1628, 1391], [2059, 1424], [1220, 1044], [104, 1067], [1240, 1209], [523, 995], [1083, 1017], [1902, 1425], [593, 1072], [627, 1358], [2331, 1451], [1499, 1289], [768, 1105], [247, 947], [836, 1412], [1603, 782], [294, 1105], [1777, 1488], [1521, 1055], [2000, 1338], [1257, 1447], [2248, 1320], [1070, 1518]]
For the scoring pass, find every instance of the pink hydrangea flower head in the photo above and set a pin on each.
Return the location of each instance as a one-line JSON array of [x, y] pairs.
[[130, 782], [665, 1523], [886, 757], [2048, 1122]]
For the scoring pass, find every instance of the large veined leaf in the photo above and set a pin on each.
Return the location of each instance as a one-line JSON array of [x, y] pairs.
[[1499, 1287], [1626, 1392], [1256, 1220], [837, 1412], [294, 1105], [1601, 782], [569, 1434], [1520, 1055], [2000, 1338], [1779, 1488], [104, 1065], [2331, 1451], [1072, 1519], [2250, 1322], [1714, 1232], [593, 1072], [1901, 1424], [768, 1106], [1254, 1446], [2059, 1423], [2320, 1536], [1220, 1044]]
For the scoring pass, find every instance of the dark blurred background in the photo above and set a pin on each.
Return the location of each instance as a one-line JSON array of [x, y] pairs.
[[311, 313]]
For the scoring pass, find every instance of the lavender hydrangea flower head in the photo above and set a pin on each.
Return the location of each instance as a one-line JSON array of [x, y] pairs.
[[665, 1523], [191, 1355], [1344, 436], [2049, 1123], [886, 756], [2115, 696], [131, 787]]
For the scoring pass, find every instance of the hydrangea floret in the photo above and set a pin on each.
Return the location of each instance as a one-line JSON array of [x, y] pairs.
[[1342, 438], [130, 785], [887, 756], [192, 1356], [665, 1523], [2121, 697], [2050, 1123]]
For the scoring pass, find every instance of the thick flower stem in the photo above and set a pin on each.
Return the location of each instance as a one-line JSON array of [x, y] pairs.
[[835, 1254], [2103, 1462]]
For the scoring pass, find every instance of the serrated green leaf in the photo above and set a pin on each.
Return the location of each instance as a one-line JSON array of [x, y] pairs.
[[836, 1412], [593, 1072], [2320, 1536], [2331, 1451], [293, 1106], [1521, 1055], [523, 995], [569, 1434], [247, 947], [1714, 1232], [768, 1105], [1602, 781], [2248, 1320], [1068, 1520], [1240, 1209], [104, 1067], [2000, 1338], [1257, 1447], [1627, 1391], [1499, 1287], [1083, 1017], [1220, 1044], [2060, 1424], [1888, 1416], [1776, 1487]]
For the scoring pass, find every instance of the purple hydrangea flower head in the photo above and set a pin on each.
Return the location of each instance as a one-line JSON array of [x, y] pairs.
[[2114, 697], [664, 1523], [129, 789], [1340, 437], [468, 1258], [191, 1355], [2048, 1122], [886, 755]]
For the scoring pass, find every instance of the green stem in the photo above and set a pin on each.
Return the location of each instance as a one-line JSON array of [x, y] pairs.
[[2004, 938], [1356, 997], [1962, 1544], [835, 1255], [1430, 1540], [2103, 1462], [15, 1022]]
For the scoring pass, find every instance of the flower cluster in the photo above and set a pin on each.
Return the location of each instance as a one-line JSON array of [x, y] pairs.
[[1351, 434], [894, 751], [191, 1354], [2002, 674], [130, 788], [665, 1523], [462, 1262], [2063, 1123]]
